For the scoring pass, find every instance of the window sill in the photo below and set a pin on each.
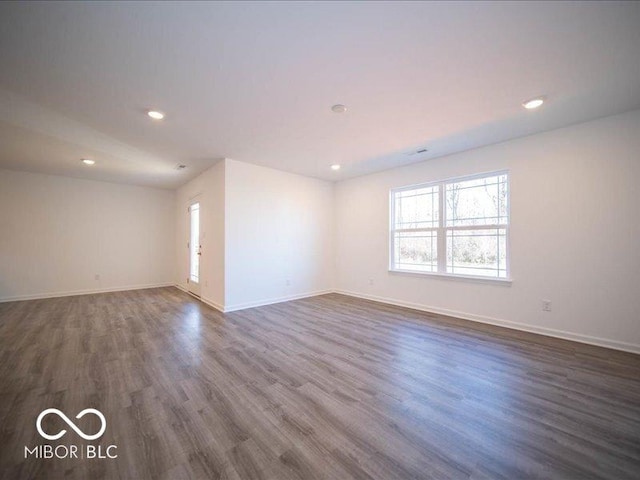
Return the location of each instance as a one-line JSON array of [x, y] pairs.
[[448, 276]]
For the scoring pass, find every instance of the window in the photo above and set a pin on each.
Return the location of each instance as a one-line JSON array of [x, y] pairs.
[[455, 227]]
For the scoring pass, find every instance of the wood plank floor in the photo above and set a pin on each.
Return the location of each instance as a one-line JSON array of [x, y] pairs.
[[329, 387]]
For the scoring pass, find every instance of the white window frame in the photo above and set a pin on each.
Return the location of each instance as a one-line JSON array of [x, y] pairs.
[[442, 229]]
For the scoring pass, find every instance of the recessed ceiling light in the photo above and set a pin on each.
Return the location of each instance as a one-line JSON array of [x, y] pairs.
[[533, 103], [335, 167], [88, 161], [155, 114], [338, 108]]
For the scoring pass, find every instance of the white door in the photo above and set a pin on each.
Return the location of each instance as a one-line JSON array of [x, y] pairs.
[[195, 249]]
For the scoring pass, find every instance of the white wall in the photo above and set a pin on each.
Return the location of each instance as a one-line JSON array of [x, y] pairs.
[[575, 234], [279, 235], [271, 235], [58, 233], [208, 189]]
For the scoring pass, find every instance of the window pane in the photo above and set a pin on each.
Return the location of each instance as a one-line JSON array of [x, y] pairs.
[[481, 201], [477, 252], [416, 208], [416, 251]]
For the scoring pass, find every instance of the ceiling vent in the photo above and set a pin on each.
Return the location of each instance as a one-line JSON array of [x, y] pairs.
[[417, 152]]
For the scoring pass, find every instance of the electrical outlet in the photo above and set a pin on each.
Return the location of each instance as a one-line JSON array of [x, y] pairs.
[[97, 277], [546, 305], [371, 281], [288, 282]]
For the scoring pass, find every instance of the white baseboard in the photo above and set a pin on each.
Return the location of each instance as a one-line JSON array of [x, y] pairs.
[[206, 300], [549, 332], [180, 287], [38, 296], [213, 304], [258, 303], [271, 301]]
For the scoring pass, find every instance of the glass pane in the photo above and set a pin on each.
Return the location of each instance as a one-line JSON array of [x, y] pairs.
[[416, 251], [481, 201], [194, 243], [416, 208], [477, 252]]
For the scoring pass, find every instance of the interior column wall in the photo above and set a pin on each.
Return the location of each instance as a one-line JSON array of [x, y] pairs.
[[279, 235]]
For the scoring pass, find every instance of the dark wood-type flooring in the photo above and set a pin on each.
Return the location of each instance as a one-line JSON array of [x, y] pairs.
[[329, 387]]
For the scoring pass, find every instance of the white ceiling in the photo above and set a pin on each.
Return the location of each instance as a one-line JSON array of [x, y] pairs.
[[255, 82]]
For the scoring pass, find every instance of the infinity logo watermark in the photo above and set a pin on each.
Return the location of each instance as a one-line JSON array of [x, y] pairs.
[[81, 451], [71, 424]]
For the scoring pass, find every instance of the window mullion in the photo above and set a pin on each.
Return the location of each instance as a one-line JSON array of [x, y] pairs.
[[392, 233], [442, 240]]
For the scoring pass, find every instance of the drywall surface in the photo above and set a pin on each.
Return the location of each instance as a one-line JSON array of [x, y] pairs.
[[575, 225], [279, 235], [63, 236], [208, 190]]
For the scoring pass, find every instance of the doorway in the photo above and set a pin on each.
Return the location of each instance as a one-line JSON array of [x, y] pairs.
[[195, 249]]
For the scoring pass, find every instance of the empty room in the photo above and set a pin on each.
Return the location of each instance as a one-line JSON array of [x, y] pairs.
[[320, 240]]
